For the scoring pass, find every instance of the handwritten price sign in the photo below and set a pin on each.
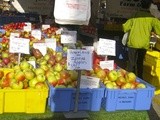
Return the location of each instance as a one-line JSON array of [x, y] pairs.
[[69, 37], [19, 45], [79, 59], [106, 47]]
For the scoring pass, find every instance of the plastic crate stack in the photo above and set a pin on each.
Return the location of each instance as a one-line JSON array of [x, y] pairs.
[[152, 69]]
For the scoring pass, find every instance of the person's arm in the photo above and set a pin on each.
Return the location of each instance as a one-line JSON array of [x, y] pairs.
[[127, 25]]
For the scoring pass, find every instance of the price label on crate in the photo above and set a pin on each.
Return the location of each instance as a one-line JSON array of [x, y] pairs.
[[89, 82], [106, 47], [51, 43], [68, 37], [79, 59], [19, 45], [36, 34], [109, 64], [41, 46]]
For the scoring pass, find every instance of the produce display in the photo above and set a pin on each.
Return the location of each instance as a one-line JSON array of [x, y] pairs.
[[53, 65]]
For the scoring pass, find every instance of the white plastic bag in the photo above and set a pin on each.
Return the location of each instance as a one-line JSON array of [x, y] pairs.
[[72, 11], [125, 38]]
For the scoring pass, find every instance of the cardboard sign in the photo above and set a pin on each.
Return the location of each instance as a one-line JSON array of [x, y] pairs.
[[89, 82], [79, 59], [69, 37], [41, 46], [109, 64], [106, 47], [51, 43], [19, 45], [36, 34]]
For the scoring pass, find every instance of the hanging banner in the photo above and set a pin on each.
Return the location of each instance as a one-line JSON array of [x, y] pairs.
[[122, 8]]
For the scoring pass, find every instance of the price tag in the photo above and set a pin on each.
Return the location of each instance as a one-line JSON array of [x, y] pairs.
[[41, 46], [27, 27], [36, 34], [106, 47], [79, 59], [14, 35], [91, 48], [109, 64], [51, 43], [44, 27], [89, 82], [69, 37], [19, 45]]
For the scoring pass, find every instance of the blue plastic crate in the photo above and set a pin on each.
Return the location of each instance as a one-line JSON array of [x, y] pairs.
[[129, 99], [63, 99]]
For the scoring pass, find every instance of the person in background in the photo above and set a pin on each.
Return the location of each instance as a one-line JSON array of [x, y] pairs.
[[140, 28]]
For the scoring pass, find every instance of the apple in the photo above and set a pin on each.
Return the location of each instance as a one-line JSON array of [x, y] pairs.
[[120, 80], [73, 75], [64, 74], [5, 60], [112, 75], [41, 77], [121, 72], [46, 57], [1, 74], [141, 85], [101, 74], [33, 82], [96, 68], [39, 71], [58, 56], [24, 65], [130, 77], [52, 80], [109, 85], [58, 67], [127, 85], [4, 82], [29, 74], [32, 58], [60, 86], [5, 54], [17, 85], [40, 85], [10, 75], [25, 84], [44, 67], [19, 76]]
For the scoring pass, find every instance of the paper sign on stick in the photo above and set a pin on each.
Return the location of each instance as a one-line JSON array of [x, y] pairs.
[[106, 47], [51, 43], [79, 59], [109, 64], [89, 82], [36, 34], [41, 46], [19, 45], [27, 27], [69, 37]]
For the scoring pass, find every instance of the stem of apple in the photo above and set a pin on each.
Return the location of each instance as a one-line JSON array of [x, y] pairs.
[[77, 91]]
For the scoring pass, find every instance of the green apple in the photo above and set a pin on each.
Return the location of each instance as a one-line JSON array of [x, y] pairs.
[[112, 75], [41, 77], [33, 82], [130, 77], [17, 85], [24, 65], [29, 74], [52, 80], [39, 71], [58, 67], [40, 85]]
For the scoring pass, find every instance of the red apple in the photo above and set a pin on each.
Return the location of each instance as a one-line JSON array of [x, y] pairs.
[[5, 60], [64, 74], [19, 76], [40, 85]]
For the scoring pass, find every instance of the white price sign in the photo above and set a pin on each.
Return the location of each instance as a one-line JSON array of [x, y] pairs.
[[51, 43], [14, 35], [41, 46], [109, 64], [69, 37], [106, 47], [27, 27], [19, 45], [36, 34], [89, 82], [44, 27], [79, 59]]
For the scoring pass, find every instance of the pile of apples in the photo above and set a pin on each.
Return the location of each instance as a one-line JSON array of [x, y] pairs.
[[23, 76]]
